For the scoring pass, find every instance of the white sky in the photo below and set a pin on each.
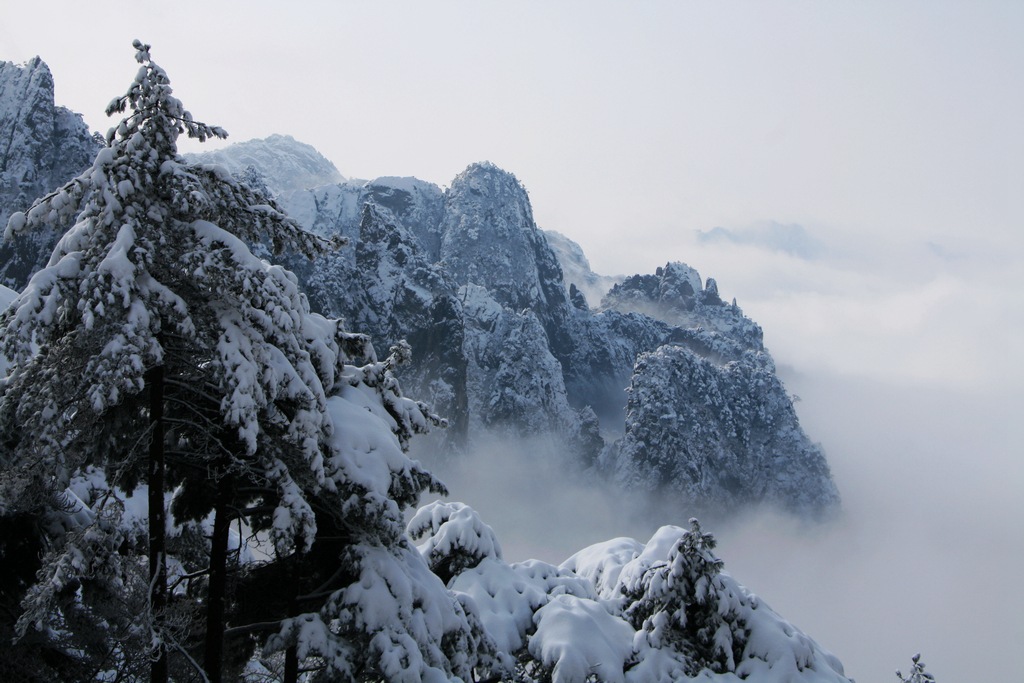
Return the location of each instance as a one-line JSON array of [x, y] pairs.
[[628, 122], [892, 132]]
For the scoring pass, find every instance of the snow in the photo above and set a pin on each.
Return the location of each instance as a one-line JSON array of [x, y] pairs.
[[454, 527], [508, 595], [506, 598], [401, 183], [117, 263], [579, 638], [602, 563], [15, 224], [363, 447], [655, 551], [7, 297]]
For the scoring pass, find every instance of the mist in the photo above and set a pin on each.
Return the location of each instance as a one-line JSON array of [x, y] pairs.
[[903, 358], [926, 554], [539, 505], [903, 355]]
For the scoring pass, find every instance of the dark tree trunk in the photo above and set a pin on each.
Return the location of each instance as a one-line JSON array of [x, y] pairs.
[[291, 665], [157, 520], [291, 655], [216, 599]]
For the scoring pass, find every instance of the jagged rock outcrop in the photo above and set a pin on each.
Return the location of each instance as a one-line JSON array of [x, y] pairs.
[[707, 418], [576, 271], [490, 239], [42, 146], [674, 295], [723, 435]]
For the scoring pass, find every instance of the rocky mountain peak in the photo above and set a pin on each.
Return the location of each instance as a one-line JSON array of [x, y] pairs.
[[674, 294], [492, 205], [284, 162], [490, 239], [42, 146], [486, 178], [673, 288]]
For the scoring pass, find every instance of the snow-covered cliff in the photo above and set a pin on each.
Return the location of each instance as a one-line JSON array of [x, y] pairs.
[[42, 146], [502, 341]]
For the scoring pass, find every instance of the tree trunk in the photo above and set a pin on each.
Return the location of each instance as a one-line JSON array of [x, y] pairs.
[[157, 521], [291, 655], [215, 604], [291, 665]]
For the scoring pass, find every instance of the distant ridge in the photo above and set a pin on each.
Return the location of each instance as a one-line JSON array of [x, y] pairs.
[[286, 163]]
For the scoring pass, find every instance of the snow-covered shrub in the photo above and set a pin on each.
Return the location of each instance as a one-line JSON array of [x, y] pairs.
[[579, 640], [691, 620], [395, 622], [458, 539], [681, 603]]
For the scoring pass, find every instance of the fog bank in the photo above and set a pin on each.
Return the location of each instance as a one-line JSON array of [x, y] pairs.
[[904, 358]]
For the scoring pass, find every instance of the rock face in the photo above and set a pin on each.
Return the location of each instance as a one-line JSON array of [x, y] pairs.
[[504, 343], [725, 434], [490, 239], [466, 278], [42, 146], [673, 294]]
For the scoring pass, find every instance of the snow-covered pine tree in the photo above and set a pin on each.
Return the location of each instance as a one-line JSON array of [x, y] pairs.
[[151, 323], [155, 346], [378, 612], [682, 605], [458, 539]]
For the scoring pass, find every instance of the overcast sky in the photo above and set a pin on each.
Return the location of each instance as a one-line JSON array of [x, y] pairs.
[[865, 162]]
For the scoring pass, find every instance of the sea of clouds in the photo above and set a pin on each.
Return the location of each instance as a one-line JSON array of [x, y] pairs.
[[905, 359]]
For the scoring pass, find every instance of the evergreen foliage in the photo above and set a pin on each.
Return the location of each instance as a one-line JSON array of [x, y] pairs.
[[718, 434], [682, 604], [917, 673], [155, 358]]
